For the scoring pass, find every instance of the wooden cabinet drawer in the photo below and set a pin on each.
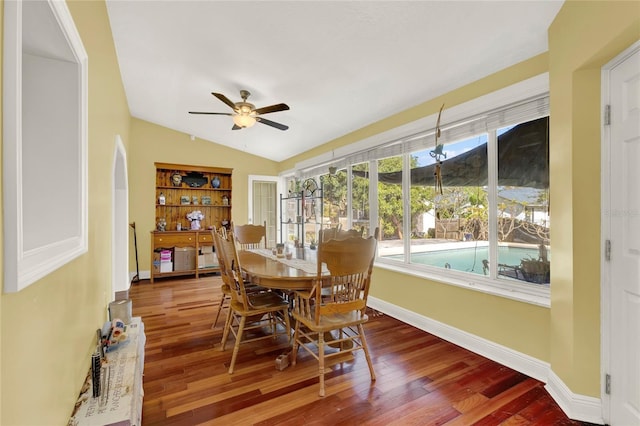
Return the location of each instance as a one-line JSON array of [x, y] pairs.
[[205, 237], [185, 239]]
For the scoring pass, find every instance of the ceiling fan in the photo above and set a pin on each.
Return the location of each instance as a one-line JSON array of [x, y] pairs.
[[245, 114]]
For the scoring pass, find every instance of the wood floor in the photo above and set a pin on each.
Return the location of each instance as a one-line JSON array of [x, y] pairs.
[[421, 379]]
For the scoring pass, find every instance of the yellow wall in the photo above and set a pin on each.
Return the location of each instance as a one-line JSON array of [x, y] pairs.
[[583, 37], [520, 326], [48, 329], [155, 143], [1, 212]]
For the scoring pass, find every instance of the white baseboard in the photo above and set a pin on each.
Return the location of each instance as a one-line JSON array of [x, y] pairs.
[[143, 275], [577, 407]]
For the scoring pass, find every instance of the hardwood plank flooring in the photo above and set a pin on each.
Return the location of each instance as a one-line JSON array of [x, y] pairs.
[[421, 379]]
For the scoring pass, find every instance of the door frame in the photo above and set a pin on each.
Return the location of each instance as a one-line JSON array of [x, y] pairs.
[[279, 187], [605, 233], [120, 275]]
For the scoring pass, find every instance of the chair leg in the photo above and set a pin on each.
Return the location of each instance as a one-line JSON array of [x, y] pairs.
[[294, 350], [321, 361], [274, 324], [287, 324], [227, 327], [220, 307], [366, 352], [236, 348]]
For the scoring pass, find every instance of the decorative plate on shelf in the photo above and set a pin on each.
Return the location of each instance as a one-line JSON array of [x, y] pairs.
[[309, 187], [176, 179], [195, 179]]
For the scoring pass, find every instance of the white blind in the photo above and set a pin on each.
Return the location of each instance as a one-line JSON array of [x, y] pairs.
[[508, 115]]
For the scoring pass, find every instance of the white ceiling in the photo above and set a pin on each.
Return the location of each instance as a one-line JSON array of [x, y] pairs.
[[339, 65]]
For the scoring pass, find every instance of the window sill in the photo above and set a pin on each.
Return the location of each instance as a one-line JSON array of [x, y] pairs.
[[535, 294]]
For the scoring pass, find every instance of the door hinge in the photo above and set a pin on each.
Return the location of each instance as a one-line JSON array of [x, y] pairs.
[[607, 115], [607, 250], [607, 384]]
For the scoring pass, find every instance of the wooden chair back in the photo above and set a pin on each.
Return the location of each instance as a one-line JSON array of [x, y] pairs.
[[232, 269], [338, 234], [350, 264], [341, 234], [217, 234], [250, 236]]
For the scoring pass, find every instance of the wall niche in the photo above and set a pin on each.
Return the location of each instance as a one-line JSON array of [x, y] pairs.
[[44, 141]]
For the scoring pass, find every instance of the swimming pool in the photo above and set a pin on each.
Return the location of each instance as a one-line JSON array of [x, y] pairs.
[[469, 259]]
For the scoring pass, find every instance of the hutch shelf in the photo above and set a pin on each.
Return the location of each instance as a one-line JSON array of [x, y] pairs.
[[190, 201]]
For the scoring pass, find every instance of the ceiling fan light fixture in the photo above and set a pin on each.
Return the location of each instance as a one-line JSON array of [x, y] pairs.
[[244, 120], [245, 114]]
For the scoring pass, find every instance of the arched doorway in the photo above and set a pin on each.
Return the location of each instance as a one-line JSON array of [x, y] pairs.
[[120, 227]]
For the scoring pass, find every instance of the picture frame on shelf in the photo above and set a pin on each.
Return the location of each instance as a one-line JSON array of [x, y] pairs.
[[184, 200]]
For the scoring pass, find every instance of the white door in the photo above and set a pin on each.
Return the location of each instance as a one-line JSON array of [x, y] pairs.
[[621, 275], [263, 204]]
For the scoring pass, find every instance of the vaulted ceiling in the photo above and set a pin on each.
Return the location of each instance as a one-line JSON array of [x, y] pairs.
[[338, 65]]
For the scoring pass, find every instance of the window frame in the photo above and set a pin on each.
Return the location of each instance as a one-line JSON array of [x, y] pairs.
[[403, 140], [513, 289]]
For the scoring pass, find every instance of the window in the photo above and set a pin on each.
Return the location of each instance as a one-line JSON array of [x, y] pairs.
[[488, 221], [456, 212], [451, 224], [522, 207], [486, 226], [360, 218], [391, 208], [334, 187]]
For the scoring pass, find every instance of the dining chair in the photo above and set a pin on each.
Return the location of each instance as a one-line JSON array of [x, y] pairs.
[[250, 236], [225, 288], [226, 284], [336, 302], [253, 312]]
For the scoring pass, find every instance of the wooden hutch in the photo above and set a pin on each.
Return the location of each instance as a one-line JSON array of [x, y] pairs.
[[182, 243]]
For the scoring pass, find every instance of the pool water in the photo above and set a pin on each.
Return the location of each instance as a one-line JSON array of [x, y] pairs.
[[469, 259]]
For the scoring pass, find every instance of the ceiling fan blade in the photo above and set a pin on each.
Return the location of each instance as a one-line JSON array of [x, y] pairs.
[[271, 123], [272, 108], [224, 99], [210, 113]]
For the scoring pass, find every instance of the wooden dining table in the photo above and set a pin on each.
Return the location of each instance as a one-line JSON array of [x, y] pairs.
[[270, 272]]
